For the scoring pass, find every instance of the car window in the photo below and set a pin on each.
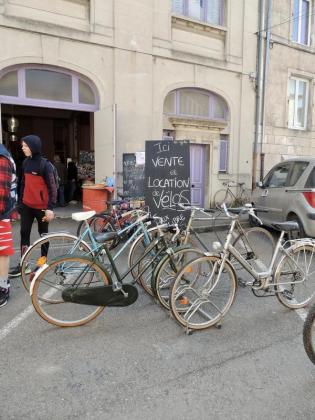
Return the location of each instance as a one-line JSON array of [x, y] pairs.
[[310, 183], [278, 177], [297, 170]]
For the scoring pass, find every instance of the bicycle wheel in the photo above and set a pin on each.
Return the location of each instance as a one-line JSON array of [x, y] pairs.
[[295, 276], [139, 246], [46, 249], [223, 196], [61, 273], [257, 248], [99, 223], [148, 264], [309, 334], [245, 196], [199, 297], [165, 273]]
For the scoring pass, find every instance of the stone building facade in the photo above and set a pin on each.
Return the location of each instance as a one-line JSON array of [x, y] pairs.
[[290, 83], [129, 71]]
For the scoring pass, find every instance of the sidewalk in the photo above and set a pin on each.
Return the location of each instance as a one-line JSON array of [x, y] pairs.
[[65, 212]]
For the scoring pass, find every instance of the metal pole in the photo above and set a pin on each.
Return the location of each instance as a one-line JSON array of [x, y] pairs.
[[114, 148], [259, 94], [266, 69]]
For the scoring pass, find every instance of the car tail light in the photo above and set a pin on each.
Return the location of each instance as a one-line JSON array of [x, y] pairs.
[[310, 197]]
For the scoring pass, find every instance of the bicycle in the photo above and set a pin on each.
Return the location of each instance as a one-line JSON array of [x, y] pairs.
[[205, 288], [231, 199], [63, 243], [257, 240], [79, 287], [120, 216], [308, 334]]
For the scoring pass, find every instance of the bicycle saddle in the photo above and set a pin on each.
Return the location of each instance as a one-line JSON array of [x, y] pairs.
[[104, 237], [286, 226], [83, 215]]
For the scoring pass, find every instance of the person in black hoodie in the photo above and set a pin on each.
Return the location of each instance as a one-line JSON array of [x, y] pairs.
[[37, 194]]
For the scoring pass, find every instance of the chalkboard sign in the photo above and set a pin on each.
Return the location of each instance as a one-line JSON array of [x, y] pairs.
[[167, 180], [133, 177]]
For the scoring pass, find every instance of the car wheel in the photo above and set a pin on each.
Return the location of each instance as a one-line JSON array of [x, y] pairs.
[[298, 233]]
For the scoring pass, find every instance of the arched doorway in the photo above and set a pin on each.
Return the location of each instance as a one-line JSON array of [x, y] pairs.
[[56, 104], [202, 117]]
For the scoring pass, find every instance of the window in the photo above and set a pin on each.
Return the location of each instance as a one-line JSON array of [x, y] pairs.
[[310, 183], [196, 103], [224, 150], [9, 84], [297, 171], [209, 11], [301, 21], [277, 177], [298, 103], [48, 87]]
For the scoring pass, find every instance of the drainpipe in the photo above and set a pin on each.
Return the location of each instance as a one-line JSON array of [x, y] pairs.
[[114, 149], [259, 93], [266, 70]]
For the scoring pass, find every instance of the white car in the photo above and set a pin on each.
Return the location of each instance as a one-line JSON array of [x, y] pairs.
[[288, 193]]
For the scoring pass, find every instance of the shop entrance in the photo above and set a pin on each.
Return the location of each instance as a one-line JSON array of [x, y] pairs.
[[65, 133]]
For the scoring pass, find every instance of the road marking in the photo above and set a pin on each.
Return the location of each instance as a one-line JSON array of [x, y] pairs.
[[15, 322], [22, 316], [302, 313]]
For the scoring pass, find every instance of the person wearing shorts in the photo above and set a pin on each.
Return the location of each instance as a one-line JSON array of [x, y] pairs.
[[7, 204]]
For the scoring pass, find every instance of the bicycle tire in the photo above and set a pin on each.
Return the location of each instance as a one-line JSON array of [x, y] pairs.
[[245, 196], [98, 223], [56, 276], [309, 334], [189, 300], [138, 248], [258, 248], [165, 273], [56, 244], [223, 196], [301, 265]]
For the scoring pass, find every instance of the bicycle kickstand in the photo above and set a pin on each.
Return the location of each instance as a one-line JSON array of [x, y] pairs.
[[188, 331], [218, 325], [117, 287]]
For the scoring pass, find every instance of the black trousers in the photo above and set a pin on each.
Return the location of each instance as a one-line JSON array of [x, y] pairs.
[[28, 215]]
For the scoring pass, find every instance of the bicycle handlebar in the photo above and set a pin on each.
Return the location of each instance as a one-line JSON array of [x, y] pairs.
[[190, 207], [247, 209]]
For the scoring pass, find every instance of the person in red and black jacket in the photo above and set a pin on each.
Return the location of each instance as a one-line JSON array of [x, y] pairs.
[[37, 194]]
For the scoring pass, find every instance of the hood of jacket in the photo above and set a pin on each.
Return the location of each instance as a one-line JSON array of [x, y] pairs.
[[34, 143]]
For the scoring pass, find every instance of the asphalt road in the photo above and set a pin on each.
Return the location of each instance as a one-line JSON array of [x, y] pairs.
[[137, 363]]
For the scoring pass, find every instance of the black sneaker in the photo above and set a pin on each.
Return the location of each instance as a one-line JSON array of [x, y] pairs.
[[4, 296], [15, 272]]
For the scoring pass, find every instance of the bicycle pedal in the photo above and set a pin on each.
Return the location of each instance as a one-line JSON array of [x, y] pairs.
[[244, 283]]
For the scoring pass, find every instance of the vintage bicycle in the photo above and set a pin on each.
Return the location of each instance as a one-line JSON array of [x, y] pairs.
[[235, 194], [52, 245], [256, 243], [74, 289], [205, 288]]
